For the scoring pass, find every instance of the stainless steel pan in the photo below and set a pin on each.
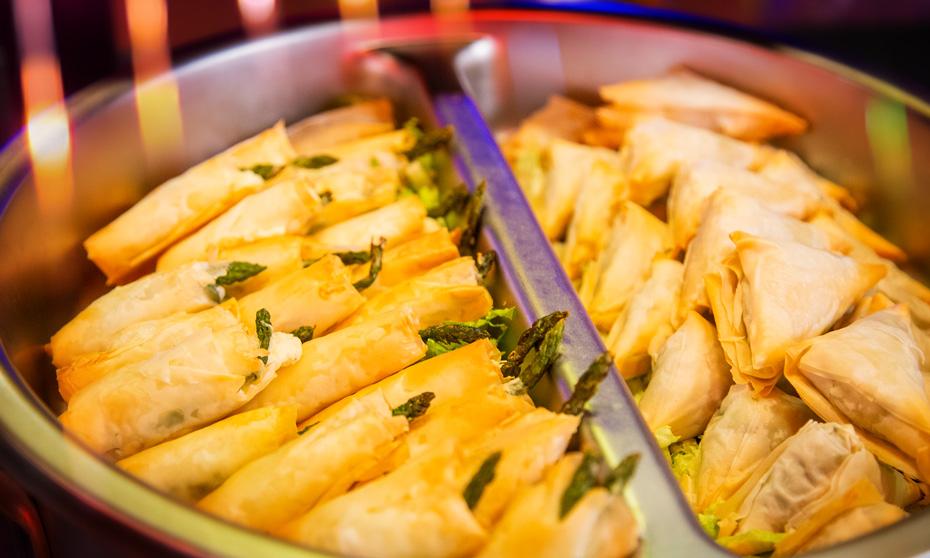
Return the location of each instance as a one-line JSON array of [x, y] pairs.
[[509, 62]]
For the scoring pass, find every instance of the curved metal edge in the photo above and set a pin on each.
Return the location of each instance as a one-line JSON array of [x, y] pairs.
[[530, 264]]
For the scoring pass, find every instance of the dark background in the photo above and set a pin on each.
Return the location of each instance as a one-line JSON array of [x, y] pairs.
[[890, 39]]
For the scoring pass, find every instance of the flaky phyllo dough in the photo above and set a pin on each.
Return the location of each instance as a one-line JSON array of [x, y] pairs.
[[871, 374], [771, 294]]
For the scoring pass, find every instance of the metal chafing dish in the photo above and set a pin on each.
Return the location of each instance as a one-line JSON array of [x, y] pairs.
[[508, 63]]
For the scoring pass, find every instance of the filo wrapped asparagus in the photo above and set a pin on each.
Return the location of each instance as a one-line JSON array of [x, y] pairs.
[[154, 296], [690, 378], [321, 463], [772, 294], [184, 203], [396, 223], [339, 364], [545, 519], [870, 374], [687, 97], [193, 465], [316, 133], [211, 370], [317, 296]]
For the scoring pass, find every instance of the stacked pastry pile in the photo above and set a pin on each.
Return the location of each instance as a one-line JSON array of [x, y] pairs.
[[315, 356], [768, 335]]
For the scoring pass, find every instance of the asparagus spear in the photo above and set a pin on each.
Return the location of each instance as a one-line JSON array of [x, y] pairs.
[[377, 251], [471, 217], [415, 406], [263, 330], [587, 385], [483, 477], [620, 475], [584, 479], [304, 333], [235, 272], [485, 263], [530, 339], [449, 336], [426, 141]]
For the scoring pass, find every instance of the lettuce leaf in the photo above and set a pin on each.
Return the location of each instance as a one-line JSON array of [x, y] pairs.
[[449, 336], [751, 542]]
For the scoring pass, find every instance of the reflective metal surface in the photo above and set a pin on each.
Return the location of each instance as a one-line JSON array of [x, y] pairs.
[[510, 63]]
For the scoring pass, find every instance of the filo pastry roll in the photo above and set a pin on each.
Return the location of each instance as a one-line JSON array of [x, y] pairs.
[[687, 97], [655, 149], [409, 259], [339, 364], [774, 293], [646, 322], [416, 511], [322, 462], [360, 120], [184, 203], [395, 222], [869, 374], [689, 380], [280, 255], [154, 296], [288, 205], [193, 465], [448, 376], [448, 292], [317, 296], [804, 475], [854, 523], [741, 434], [636, 238], [211, 370], [599, 525], [727, 212]]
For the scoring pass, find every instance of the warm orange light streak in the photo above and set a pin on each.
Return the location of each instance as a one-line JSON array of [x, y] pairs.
[[48, 133], [259, 16], [157, 102], [355, 9], [449, 7]]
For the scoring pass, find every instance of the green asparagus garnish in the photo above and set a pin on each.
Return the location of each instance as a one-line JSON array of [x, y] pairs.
[[530, 339], [354, 257], [239, 271], [485, 262], [314, 162], [415, 406], [377, 251], [587, 385], [620, 475], [584, 479], [482, 478], [449, 336], [471, 217], [263, 330], [428, 141], [304, 333], [264, 170]]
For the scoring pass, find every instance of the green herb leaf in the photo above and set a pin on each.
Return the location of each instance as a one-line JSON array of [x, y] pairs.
[[482, 478], [377, 251], [530, 339], [239, 271], [584, 479], [620, 475], [263, 330], [587, 385], [314, 162], [264, 170], [415, 406], [304, 333]]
